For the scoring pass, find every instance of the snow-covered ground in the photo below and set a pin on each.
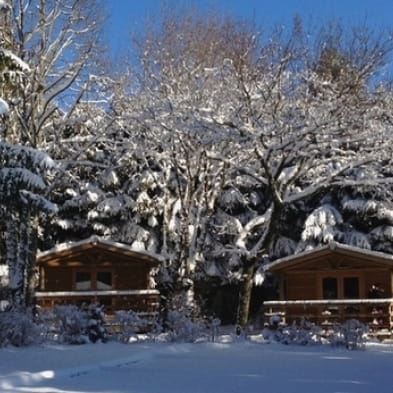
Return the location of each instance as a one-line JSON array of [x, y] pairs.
[[226, 366]]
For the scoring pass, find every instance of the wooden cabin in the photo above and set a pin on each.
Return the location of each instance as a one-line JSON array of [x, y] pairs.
[[96, 270], [332, 284]]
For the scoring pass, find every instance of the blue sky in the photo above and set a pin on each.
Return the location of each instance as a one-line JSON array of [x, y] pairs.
[[129, 15]]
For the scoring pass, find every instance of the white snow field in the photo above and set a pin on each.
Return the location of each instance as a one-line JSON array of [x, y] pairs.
[[223, 367]]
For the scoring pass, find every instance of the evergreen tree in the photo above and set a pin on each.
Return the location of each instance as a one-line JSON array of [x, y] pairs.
[[22, 186]]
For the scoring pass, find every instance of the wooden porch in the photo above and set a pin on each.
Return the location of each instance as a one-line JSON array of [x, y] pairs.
[[141, 301], [376, 313]]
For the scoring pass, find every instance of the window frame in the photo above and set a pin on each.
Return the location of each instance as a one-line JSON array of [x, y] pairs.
[[324, 288], [341, 284], [75, 281], [93, 278]]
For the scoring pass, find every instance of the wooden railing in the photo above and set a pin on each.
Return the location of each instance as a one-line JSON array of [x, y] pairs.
[[377, 313], [144, 300]]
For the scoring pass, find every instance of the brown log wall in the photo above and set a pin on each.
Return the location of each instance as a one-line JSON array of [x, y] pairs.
[[301, 286], [57, 279]]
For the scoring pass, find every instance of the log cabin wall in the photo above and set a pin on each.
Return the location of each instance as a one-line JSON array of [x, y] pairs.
[[381, 276], [131, 277], [300, 285], [56, 279], [59, 274], [124, 277], [391, 284], [304, 285]]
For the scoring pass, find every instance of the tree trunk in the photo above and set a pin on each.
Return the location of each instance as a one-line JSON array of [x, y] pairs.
[[31, 251], [251, 267], [245, 291], [15, 277], [21, 247]]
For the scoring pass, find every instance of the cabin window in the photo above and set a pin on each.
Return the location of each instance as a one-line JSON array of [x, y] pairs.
[[351, 288], [83, 281], [329, 285], [93, 280], [340, 287], [104, 281]]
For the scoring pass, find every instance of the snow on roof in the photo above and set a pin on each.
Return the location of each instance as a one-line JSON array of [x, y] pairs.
[[95, 240], [331, 246]]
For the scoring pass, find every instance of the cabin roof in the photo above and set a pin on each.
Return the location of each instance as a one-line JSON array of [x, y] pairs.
[[368, 256], [65, 250]]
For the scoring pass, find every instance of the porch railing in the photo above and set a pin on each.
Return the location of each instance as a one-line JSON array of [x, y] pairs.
[[377, 313], [141, 300]]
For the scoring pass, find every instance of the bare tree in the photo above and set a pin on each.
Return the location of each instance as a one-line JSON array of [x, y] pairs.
[[58, 40]]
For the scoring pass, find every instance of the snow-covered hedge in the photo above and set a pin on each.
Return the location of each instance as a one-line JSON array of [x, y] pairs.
[[351, 334], [72, 325]]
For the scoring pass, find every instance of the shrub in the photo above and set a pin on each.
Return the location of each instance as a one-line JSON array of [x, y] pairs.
[[182, 328], [96, 330], [130, 324], [74, 325], [18, 328], [304, 333], [71, 324], [352, 334]]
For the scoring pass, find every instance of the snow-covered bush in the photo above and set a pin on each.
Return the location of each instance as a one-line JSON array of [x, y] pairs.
[[182, 328], [130, 324], [18, 329], [96, 329], [71, 324], [352, 334], [304, 333], [74, 325]]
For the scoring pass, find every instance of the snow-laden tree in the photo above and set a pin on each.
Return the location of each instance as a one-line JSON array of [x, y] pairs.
[[46, 48], [85, 154], [22, 201], [300, 141], [360, 219], [53, 47], [58, 41], [22, 189], [285, 126], [183, 65]]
